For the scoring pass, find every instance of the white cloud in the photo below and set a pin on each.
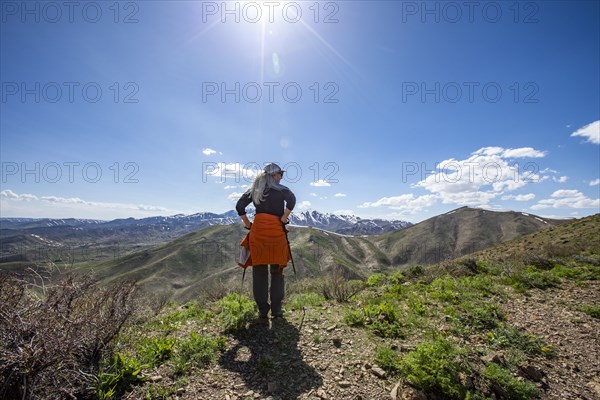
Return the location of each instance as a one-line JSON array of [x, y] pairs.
[[9, 194], [303, 205], [312, 194], [344, 212], [519, 197], [209, 152], [591, 132], [595, 182], [80, 203], [234, 196], [483, 176], [407, 203], [522, 152], [340, 195], [320, 183], [567, 199], [230, 187], [560, 179]]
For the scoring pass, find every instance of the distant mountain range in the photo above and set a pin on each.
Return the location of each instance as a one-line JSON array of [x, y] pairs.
[[24, 239], [181, 224], [206, 256]]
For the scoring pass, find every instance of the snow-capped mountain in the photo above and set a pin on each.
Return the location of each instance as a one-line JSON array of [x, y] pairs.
[[346, 224], [181, 224]]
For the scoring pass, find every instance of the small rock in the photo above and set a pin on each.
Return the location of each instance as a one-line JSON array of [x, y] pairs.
[[595, 386], [331, 328], [383, 317], [249, 393], [345, 384], [496, 358], [227, 397], [394, 392], [322, 395], [156, 378], [413, 394], [533, 372], [180, 391], [378, 372], [337, 342]]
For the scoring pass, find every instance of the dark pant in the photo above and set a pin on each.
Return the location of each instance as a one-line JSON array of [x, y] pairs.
[[260, 288]]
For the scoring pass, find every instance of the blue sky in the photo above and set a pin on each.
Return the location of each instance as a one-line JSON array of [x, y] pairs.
[[399, 110]]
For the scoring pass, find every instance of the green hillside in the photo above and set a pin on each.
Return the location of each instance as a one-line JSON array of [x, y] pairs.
[[515, 321]]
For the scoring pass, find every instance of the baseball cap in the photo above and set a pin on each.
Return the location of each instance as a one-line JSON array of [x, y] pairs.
[[273, 169]]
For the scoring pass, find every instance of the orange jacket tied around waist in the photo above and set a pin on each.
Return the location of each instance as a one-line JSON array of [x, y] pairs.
[[266, 242]]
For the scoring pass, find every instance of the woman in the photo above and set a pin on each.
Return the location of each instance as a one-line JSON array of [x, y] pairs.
[[267, 238]]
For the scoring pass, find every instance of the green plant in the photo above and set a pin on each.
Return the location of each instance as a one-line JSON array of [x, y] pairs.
[[156, 350], [387, 358], [354, 317], [414, 271], [577, 271], [477, 316], [376, 280], [197, 351], [122, 372], [384, 322], [592, 311], [306, 299], [507, 336], [435, 366], [531, 277], [512, 387], [396, 278], [236, 311]]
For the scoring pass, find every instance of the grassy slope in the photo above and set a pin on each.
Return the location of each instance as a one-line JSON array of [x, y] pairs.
[[462, 329], [457, 233]]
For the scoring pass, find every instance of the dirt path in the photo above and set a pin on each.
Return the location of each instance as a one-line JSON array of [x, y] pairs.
[[553, 315]]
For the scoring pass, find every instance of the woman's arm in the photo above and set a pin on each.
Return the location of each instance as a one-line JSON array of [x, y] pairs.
[[286, 214], [246, 221]]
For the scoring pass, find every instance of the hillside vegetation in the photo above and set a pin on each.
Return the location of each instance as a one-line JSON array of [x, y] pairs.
[[517, 321], [205, 260]]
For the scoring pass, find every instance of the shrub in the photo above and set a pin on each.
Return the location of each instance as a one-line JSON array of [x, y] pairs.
[[384, 322], [433, 367], [376, 280], [531, 278], [122, 372], [396, 278], [197, 351], [507, 336], [387, 359], [414, 271], [156, 350], [508, 385], [338, 288], [354, 317], [51, 345], [236, 311]]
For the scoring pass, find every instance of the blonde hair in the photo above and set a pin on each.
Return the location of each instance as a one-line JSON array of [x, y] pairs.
[[260, 185]]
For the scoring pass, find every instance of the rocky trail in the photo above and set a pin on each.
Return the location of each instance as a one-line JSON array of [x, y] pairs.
[[317, 356]]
